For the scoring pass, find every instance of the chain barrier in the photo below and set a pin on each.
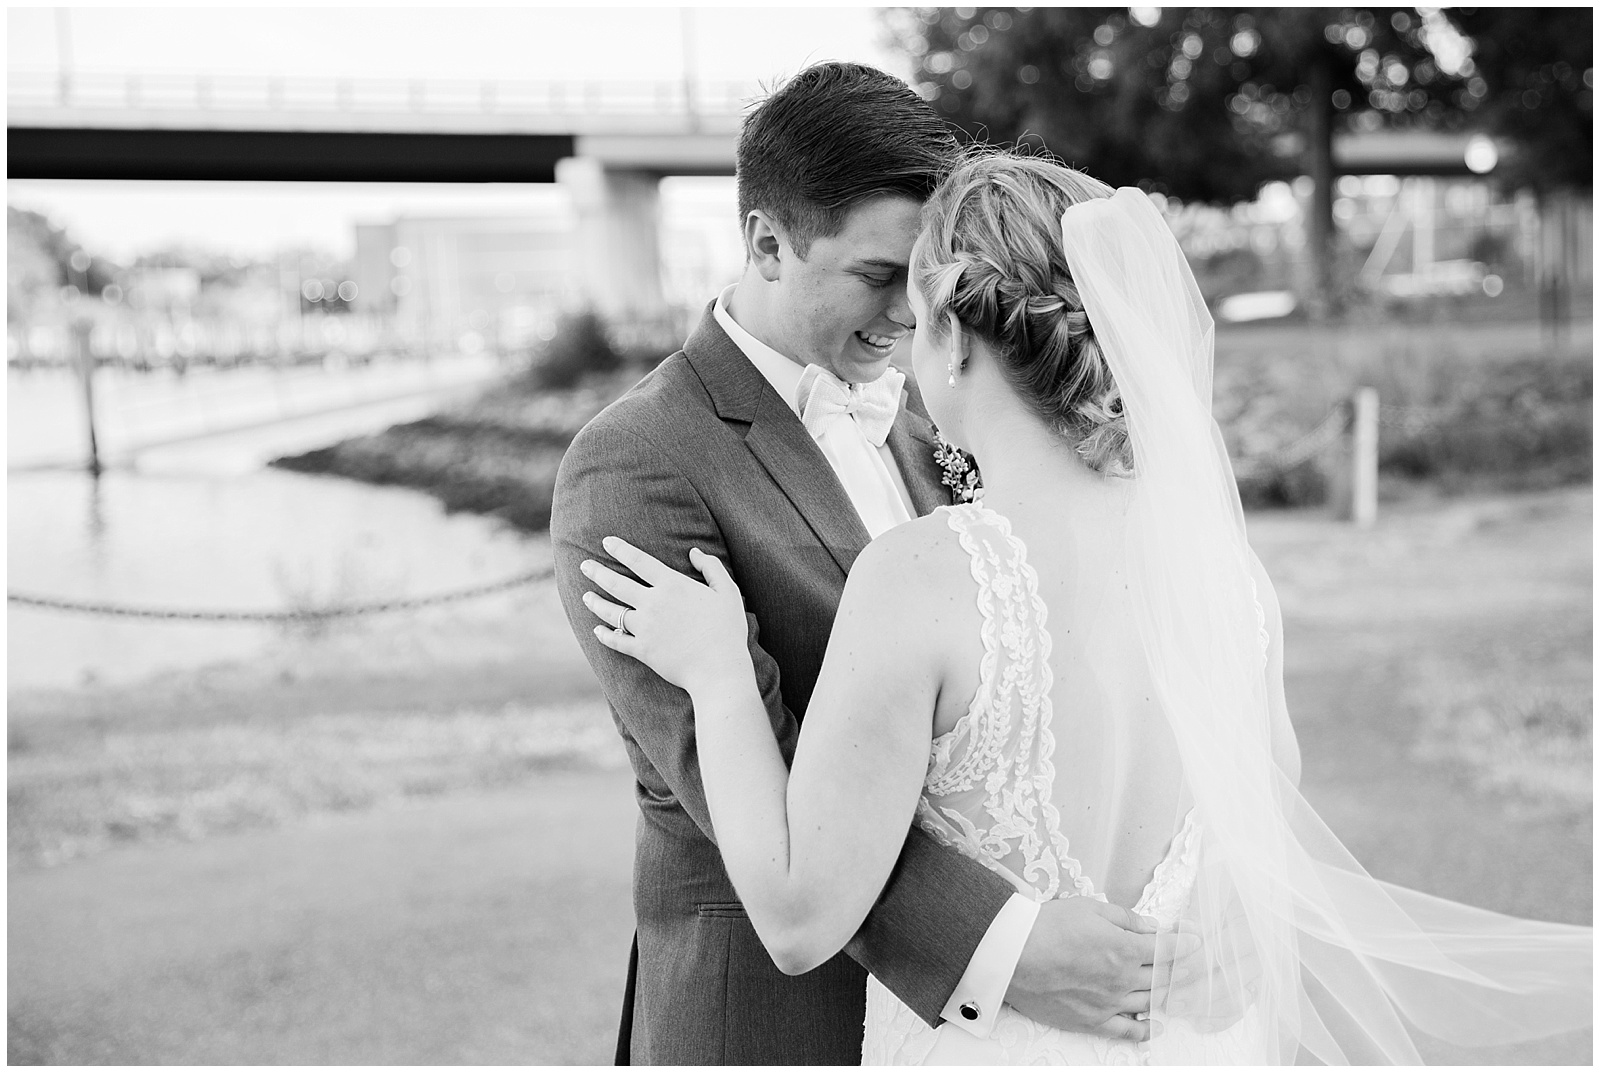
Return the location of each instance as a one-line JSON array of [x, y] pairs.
[[1413, 420], [1410, 419], [1330, 428], [317, 614], [1425, 420]]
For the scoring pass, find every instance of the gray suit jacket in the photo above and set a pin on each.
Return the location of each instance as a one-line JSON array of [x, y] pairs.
[[702, 452]]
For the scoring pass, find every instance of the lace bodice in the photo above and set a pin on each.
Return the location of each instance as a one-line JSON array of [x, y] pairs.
[[988, 789], [991, 778], [989, 793]]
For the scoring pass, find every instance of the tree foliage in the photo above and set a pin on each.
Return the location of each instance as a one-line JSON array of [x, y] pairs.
[[1201, 103], [1536, 68], [39, 258], [1206, 104]]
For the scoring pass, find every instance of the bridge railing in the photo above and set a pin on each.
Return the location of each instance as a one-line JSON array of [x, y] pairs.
[[294, 93]]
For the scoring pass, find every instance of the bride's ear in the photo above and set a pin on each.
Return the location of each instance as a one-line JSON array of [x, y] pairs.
[[960, 343], [762, 245]]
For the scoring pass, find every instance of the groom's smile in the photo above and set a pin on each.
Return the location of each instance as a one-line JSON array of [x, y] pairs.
[[843, 305], [882, 345]]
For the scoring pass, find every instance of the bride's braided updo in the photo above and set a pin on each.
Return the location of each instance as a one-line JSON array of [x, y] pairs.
[[990, 254]]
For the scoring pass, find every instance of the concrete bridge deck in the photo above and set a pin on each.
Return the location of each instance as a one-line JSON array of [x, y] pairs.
[[131, 101], [608, 141]]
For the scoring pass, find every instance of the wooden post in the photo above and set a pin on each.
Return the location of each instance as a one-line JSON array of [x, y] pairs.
[[1364, 458], [80, 333], [1352, 463]]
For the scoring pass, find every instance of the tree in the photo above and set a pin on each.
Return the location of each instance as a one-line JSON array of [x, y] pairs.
[[1204, 104], [1533, 69], [39, 258], [32, 266]]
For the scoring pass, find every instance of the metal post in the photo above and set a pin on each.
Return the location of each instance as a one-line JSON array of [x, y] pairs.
[[1364, 458], [686, 39], [80, 331], [63, 56]]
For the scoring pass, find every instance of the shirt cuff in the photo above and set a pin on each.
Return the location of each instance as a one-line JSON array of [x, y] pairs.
[[975, 1003]]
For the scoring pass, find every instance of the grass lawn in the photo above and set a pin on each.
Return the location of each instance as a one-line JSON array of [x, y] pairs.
[[411, 844]]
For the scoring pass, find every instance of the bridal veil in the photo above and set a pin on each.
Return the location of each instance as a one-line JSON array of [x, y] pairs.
[[1329, 963]]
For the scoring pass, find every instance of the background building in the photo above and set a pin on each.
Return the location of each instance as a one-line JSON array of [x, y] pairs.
[[467, 282]]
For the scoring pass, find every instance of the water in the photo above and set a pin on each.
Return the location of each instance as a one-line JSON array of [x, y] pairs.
[[201, 525], [159, 420]]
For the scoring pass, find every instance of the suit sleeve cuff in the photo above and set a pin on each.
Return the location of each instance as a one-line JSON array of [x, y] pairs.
[[975, 1003]]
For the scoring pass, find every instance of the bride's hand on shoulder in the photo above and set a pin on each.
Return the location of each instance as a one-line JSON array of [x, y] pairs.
[[692, 634]]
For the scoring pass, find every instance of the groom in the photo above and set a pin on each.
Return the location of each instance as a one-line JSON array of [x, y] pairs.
[[775, 442]]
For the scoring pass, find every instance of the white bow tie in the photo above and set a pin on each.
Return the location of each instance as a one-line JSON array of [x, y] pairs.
[[824, 398]]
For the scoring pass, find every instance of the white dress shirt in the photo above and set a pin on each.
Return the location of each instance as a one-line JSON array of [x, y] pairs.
[[869, 475], [877, 490]]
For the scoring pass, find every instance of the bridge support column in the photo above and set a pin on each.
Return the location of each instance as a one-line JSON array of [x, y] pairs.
[[619, 246]]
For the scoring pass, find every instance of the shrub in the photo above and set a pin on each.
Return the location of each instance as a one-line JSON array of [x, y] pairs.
[[1526, 423], [580, 347], [645, 344], [1298, 486]]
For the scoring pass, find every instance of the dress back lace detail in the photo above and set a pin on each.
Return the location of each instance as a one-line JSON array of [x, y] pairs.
[[1170, 721], [988, 788], [990, 794]]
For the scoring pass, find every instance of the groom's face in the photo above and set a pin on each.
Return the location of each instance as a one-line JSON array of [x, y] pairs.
[[843, 306]]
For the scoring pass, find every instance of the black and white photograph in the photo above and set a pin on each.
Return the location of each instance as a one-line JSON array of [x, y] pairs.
[[757, 535]]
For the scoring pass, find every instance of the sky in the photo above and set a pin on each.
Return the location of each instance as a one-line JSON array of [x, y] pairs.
[[744, 42], [748, 43]]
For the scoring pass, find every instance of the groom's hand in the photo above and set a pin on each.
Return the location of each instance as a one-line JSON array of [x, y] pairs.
[[1087, 968]]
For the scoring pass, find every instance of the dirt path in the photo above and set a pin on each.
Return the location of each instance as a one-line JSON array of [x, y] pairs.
[[1475, 608], [492, 926], [1495, 592], [485, 929]]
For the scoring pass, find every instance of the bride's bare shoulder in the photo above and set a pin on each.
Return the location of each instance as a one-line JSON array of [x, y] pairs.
[[915, 561], [909, 601]]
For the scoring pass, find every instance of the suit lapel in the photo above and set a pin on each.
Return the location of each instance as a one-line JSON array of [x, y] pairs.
[[742, 396], [794, 460], [912, 442]]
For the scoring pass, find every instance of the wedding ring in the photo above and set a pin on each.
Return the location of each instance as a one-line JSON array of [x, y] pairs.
[[622, 621]]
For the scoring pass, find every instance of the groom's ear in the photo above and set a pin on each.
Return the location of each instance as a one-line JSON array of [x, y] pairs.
[[761, 244]]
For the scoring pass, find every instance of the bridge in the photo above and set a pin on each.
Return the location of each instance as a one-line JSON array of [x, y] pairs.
[[609, 142]]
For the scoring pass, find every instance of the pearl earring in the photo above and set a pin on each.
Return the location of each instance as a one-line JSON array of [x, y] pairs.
[[951, 365]]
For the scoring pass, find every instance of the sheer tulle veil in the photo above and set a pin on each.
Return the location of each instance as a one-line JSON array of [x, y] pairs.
[[1297, 943]]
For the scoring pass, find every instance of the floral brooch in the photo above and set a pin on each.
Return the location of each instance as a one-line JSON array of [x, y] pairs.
[[960, 470]]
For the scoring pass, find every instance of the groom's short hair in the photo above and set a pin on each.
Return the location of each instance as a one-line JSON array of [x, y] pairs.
[[831, 137]]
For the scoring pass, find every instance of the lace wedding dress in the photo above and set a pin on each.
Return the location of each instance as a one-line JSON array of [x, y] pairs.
[[991, 793], [1140, 750]]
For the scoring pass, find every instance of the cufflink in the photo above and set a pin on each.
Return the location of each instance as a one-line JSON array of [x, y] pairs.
[[970, 1011]]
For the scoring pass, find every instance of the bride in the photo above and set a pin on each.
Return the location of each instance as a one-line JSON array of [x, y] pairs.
[[1076, 680]]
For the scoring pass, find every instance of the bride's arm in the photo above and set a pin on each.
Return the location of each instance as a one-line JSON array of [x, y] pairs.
[[808, 852]]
